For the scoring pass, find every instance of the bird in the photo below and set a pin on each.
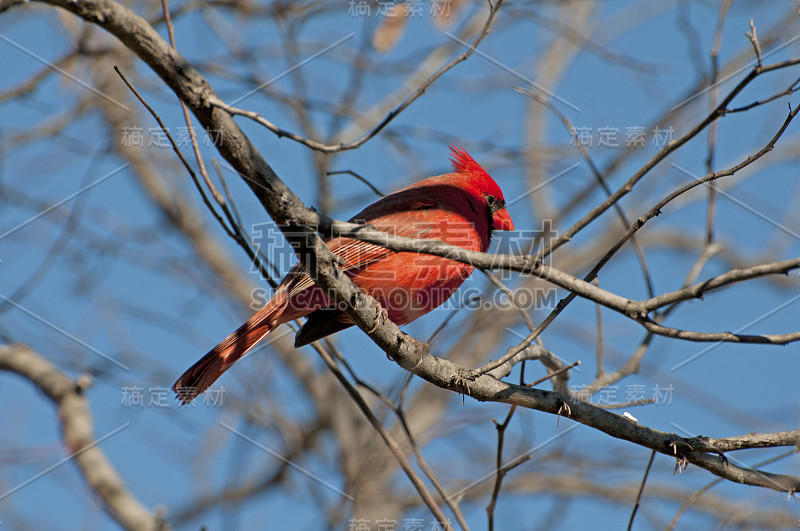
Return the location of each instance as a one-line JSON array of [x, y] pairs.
[[461, 208]]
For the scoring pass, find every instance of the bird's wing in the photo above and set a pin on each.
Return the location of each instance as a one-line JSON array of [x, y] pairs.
[[434, 224], [411, 220]]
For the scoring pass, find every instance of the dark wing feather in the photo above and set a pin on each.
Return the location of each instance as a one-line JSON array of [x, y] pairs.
[[410, 213], [319, 324], [356, 254]]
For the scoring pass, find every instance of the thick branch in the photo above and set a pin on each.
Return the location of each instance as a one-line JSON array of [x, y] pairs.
[[287, 210], [79, 440]]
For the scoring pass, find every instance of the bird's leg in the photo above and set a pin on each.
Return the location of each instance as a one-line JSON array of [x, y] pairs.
[[381, 315], [421, 349]]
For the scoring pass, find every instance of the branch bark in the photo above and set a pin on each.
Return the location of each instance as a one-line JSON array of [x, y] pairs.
[[295, 220], [78, 437]]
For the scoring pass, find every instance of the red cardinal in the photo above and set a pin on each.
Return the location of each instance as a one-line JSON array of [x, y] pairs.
[[461, 208]]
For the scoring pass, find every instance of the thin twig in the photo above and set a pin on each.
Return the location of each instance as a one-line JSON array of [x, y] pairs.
[[696, 496], [391, 444], [510, 294], [562, 304], [641, 489], [754, 41], [238, 231], [500, 469], [712, 128], [360, 178], [400, 413], [788, 92], [653, 212], [451, 316], [187, 119], [177, 151], [554, 373], [242, 237], [598, 175], [671, 147], [234, 230], [599, 349], [335, 148]]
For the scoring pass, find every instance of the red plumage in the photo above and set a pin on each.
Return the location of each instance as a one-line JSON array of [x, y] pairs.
[[461, 208]]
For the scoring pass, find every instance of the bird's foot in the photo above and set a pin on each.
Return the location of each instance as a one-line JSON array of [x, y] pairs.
[[381, 315]]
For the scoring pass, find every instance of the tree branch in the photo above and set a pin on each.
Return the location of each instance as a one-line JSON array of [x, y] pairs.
[[78, 437], [295, 219]]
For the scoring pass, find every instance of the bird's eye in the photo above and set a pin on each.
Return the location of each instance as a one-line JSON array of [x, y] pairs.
[[494, 204]]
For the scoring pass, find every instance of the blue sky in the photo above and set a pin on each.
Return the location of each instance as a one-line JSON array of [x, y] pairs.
[[119, 283]]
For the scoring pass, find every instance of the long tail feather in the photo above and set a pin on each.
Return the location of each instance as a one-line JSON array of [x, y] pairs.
[[205, 372]]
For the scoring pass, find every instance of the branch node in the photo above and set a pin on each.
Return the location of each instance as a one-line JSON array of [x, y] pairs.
[[680, 465], [83, 382], [460, 381], [756, 46], [563, 407]]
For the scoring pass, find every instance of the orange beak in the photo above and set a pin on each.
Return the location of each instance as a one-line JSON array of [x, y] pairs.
[[502, 221]]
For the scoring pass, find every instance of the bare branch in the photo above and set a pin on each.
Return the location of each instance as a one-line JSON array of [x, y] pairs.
[[335, 148], [754, 41], [78, 436], [297, 222], [641, 489]]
